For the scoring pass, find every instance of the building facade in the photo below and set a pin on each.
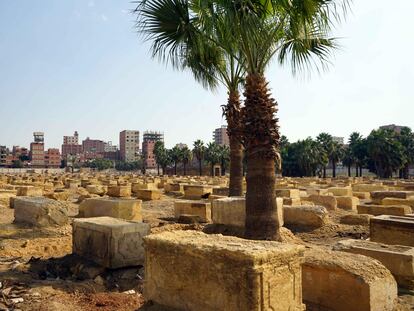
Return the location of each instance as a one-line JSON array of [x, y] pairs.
[[52, 158], [148, 143], [220, 136], [37, 150], [93, 148], [71, 140], [129, 145]]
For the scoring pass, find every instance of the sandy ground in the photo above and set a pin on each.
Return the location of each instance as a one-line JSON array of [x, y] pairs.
[[36, 265]]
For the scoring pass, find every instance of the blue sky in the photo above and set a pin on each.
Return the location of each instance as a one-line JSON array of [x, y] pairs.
[[79, 65]]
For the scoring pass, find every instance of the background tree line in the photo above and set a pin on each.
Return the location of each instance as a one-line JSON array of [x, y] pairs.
[[383, 152]]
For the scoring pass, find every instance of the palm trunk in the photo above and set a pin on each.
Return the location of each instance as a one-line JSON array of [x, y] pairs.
[[212, 169], [324, 172], [233, 116], [333, 169], [158, 168], [349, 170], [236, 168], [261, 136], [175, 168], [200, 169], [185, 169], [360, 171], [356, 170]]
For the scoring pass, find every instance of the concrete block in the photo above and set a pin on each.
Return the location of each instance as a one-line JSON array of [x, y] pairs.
[[343, 282], [377, 196], [396, 258], [306, 216], [143, 186], [395, 230], [340, 191], [119, 191], [229, 211], [110, 242], [329, 202], [356, 219], [397, 210], [347, 202], [196, 192], [362, 195], [40, 211], [201, 209], [396, 201], [29, 191], [288, 193], [148, 195], [128, 209], [169, 187], [243, 275]]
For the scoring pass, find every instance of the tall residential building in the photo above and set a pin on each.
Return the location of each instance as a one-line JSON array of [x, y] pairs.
[[71, 145], [52, 158], [71, 140], [220, 136], [148, 143], [4, 152], [129, 145], [93, 148], [37, 150]]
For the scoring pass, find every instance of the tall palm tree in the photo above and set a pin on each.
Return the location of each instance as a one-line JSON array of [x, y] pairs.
[[348, 159], [158, 153], [186, 157], [199, 150], [325, 140], [254, 32], [174, 27], [224, 155], [175, 156], [335, 155], [212, 156], [355, 142]]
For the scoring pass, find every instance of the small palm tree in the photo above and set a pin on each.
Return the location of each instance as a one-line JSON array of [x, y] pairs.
[[335, 155], [175, 156], [199, 150], [325, 140], [186, 157], [212, 155], [224, 155], [158, 153]]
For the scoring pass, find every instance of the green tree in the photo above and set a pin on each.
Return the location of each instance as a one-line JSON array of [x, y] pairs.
[[159, 151], [199, 151], [100, 164], [212, 156], [255, 33], [357, 146], [175, 156], [335, 155], [325, 141], [348, 159], [406, 138], [179, 36], [186, 157], [386, 152], [224, 155], [17, 164]]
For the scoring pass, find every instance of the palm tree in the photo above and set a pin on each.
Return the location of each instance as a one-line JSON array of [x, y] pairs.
[[325, 141], [348, 159], [158, 153], [177, 35], [356, 146], [186, 157], [224, 155], [175, 156], [199, 150], [335, 155], [406, 138], [254, 33], [212, 155], [386, 152]]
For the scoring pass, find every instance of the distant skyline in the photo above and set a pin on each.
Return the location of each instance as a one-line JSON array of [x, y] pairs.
[[80, 65]]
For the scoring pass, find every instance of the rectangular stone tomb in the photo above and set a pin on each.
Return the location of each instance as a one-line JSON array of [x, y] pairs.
[[398, 259], [40, 211], [110, 242], [376, 210], [193, 271], [229, 211], [128, 209], [340, 281], [195, 192], [119, 191], [377, 196], [148, 195], [396, 230], [201, 209]]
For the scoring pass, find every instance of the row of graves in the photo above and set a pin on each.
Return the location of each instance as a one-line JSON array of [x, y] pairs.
[[199, 271]]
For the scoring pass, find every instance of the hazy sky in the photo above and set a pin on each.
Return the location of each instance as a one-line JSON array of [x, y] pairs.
[[79, 65]]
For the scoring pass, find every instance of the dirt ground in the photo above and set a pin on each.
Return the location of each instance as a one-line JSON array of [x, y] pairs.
[[38, 271]]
